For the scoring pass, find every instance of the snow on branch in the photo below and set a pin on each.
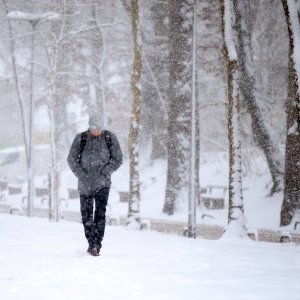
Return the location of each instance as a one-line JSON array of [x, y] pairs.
[[228, 20], [22, 16], [75, 32]]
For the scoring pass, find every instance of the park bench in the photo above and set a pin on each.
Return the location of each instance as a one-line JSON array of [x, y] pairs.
[[286, 236], [73, 193], [3, 189], [124, 196], [42, 193], [3, 185], [14, 210], [296, 219], [14, 190], [213, 196]]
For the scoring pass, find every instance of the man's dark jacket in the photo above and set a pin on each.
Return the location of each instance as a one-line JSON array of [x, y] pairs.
[[96, 164]]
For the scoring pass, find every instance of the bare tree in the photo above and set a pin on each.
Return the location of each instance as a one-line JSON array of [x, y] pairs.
[[245, 12], [16, 81], [236, 224], [154, 33], [179, 112], [133, 219], [211, 75], [292, 153], [34, 20], [154, 30]]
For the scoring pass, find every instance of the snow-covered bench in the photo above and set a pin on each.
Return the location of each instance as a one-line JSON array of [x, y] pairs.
[[42, 193], [286, 236], [213, 196], [3, 191], [123, 196], [113, 219], [296, 219], [16, 210], [14, 190], [73, 193], [3, 185]]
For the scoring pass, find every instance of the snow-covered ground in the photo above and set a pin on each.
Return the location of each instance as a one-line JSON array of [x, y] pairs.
[[42, 260]]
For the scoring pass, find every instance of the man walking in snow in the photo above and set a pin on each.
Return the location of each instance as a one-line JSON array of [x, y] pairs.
[[94, 155]]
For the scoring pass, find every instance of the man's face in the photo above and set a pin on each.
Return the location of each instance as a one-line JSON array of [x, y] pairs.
[[96, 132]]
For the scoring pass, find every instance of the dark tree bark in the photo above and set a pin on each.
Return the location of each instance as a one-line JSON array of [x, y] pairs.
[[180, 95], [292, 152], [247, 88], [155, 76]]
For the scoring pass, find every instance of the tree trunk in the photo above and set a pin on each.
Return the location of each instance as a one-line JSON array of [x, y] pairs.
[[155, 74], [292, 152], [133, 219], [97, 48], [57, 116], [247, 87], [179, 112], [197, 141], [54, 182], [236, 226], [17, 84], [194, 167]]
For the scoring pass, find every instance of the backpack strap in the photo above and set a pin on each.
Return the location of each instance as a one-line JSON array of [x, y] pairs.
[[83, 140], [82, 144], [107, 136]]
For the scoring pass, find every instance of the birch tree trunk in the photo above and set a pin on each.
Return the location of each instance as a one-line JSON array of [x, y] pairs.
[[133, 219], [236, 226], [155, 74], [292, 152], [54, 167], [180, 95]]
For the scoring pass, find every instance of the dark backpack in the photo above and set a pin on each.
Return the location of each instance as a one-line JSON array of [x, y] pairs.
[[107, 136]]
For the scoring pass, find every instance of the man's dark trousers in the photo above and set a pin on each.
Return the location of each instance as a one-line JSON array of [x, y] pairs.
[[94, 222]]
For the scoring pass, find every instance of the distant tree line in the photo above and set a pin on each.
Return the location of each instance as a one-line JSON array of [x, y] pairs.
[[138, 56]]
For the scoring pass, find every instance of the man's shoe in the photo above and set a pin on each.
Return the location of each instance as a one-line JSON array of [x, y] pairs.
[[94, 252]]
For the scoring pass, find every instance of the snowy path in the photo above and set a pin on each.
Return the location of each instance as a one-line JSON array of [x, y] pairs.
[[41, 260]]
